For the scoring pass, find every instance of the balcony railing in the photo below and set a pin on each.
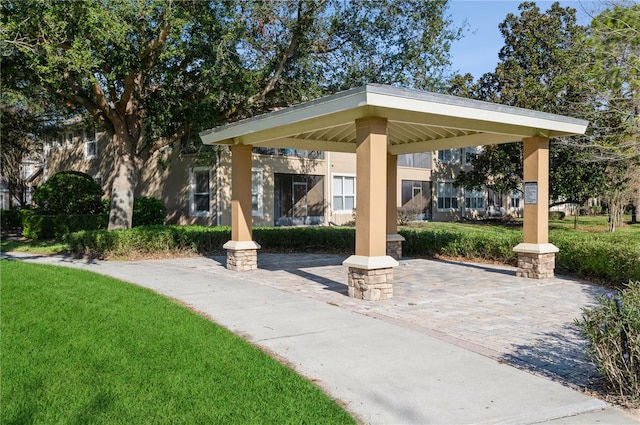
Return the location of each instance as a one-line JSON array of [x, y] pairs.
[[290, 153]]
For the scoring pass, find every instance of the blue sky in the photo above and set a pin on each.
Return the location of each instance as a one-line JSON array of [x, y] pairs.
[[477, 52]]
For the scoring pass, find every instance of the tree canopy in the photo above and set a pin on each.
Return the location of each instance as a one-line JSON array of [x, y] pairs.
[[152, 72], [552, 64]]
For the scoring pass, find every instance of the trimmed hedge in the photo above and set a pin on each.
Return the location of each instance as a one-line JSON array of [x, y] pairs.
[[337, 240], [202, 239], [36, 226], [605, 258], [148, 240], [492, 246], [615, 261], [13, 219]]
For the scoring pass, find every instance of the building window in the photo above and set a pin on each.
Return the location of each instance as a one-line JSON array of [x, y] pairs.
[[470, 154], [416, 195], [344, 193], [289, 153], [515, 199], [415, 160], [449, 156], [474, 199], [200, 192], [68, 138], [90, 145], [447, 195], [99, 180], [256, 192]]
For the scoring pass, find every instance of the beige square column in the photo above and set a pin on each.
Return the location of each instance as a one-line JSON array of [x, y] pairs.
[[242, 254], [536, 256], [394, 240], [370, 269]]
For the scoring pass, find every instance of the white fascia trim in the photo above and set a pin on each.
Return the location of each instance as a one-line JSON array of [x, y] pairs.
[[370, 263], [314, 109]]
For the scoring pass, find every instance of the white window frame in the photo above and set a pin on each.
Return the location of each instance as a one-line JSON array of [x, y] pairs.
[[449, 156], [68, 139], [88, 141], [467, 152], [192, 192], [4, 200], [455, 193], [342, 176], [515, 196], [257, 190], [475, 194]]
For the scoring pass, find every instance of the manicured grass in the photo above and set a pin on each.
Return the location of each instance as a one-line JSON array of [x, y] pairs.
[[82, 348], [37, 247]]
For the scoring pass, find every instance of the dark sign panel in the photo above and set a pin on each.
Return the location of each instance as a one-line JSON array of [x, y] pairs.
[[530, 193]]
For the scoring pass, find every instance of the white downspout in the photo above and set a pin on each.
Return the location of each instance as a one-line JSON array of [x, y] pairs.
[[218, 186], [329, 194]]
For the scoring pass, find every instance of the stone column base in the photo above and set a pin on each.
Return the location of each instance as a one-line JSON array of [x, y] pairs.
[[242, 256], [536, 261], [394, 246], [370, 278], [371, 285]]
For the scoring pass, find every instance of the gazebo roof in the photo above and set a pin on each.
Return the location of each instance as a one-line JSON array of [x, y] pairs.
[[417, 122]]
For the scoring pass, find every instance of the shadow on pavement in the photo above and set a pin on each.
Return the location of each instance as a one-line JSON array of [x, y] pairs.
[[559, 356]]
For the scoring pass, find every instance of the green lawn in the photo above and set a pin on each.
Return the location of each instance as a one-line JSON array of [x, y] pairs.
[[81, 348], [36, 247]]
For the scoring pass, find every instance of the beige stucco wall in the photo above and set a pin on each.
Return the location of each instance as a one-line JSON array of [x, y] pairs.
[[166, 176]]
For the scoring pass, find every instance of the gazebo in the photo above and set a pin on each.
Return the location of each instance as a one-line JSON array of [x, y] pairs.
[[377, 123]]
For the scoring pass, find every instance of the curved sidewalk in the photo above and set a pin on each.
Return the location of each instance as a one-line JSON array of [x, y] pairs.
[[439, 352]]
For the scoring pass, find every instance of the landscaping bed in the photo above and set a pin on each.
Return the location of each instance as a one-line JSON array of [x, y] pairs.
[[589, 252]]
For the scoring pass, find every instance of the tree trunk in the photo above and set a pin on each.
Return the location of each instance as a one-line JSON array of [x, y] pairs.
[[124, 183], [611, 220], [621, 215]]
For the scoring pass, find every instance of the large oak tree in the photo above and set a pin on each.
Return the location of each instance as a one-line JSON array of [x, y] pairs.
[[551, 64], [154, 71], [539, 69]]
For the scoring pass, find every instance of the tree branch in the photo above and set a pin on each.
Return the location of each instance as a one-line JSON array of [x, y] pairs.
[[302, 22]]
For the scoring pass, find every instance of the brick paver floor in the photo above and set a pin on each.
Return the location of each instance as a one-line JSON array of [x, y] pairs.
[[483, 307]]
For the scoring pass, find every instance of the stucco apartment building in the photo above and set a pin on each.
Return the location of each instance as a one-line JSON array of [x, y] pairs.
[[290, 187]]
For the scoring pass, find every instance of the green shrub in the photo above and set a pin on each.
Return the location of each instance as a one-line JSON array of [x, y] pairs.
[[556, 215], [38, 226], [613, 331], [69, 192], [148, 211], [202, 239], [306, 239], [487, 245], [13, 219], [148, 240], [613, 260]]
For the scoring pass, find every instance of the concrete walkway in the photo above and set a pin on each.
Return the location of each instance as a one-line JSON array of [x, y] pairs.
[[441, 351]]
